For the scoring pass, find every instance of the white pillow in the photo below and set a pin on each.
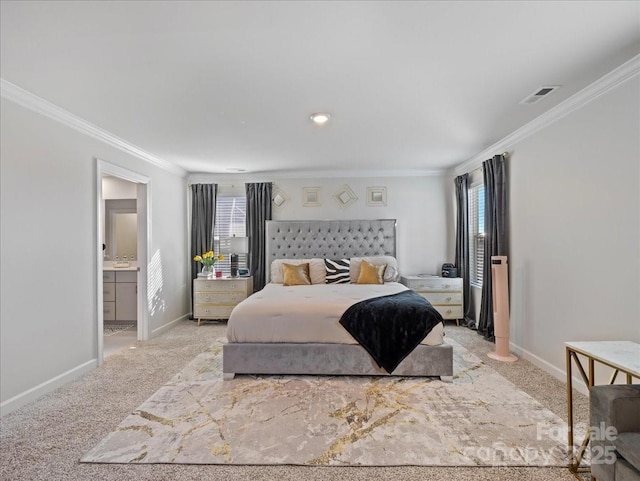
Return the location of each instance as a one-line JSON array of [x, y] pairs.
[[316, 270], [391, 274]]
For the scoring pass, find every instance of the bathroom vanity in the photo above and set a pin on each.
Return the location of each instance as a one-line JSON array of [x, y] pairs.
[[120, 292]]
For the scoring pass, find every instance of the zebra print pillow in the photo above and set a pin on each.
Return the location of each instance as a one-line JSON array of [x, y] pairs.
[[337, 271]]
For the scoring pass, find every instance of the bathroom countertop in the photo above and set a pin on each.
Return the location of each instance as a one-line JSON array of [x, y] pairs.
[[108, 266]]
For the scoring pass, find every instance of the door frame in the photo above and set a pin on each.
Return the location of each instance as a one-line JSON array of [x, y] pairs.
[[143, 202]]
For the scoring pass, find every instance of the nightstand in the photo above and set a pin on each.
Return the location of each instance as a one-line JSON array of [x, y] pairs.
[[444, 293], [215, 298]]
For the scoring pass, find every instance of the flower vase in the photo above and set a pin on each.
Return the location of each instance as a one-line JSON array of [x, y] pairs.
[[207, 271]]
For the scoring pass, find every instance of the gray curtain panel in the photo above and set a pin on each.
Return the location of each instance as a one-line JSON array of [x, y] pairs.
[[203, 217], [462, 247], [496, 217], [258, 212]]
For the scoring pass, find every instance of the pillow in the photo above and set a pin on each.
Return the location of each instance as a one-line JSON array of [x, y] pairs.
[[296, 275], [316, 270], [391, 274], [371, 273], [337, 271]]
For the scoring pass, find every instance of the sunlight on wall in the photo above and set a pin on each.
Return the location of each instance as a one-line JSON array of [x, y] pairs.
[[154, 285]]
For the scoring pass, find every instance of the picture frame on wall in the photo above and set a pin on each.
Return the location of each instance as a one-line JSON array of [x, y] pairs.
[[345, 196], [311, 196], [376, 196], [279, 198]]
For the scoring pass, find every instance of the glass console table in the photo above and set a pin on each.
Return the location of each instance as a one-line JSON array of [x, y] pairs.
[[621, 356]]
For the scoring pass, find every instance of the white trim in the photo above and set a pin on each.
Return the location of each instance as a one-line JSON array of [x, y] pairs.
[[546, 366], [144, 247], [598, 88], [43, 388], [159, 330], [37, 104], [205, 178]]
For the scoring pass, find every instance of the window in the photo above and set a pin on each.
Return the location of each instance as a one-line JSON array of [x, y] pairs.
[[476, 233], [230, 220]]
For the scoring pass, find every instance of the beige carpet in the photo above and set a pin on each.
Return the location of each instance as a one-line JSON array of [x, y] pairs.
[[44, 440], [480, 419]]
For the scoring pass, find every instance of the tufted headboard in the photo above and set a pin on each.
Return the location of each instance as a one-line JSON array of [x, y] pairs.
[[332, 239]]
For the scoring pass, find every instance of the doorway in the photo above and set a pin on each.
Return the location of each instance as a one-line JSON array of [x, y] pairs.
[[121, 263]]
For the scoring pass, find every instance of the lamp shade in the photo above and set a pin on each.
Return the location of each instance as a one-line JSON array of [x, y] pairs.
[[239, 245]]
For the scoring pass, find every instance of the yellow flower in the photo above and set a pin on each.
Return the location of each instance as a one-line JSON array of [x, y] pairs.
[[208, 258]]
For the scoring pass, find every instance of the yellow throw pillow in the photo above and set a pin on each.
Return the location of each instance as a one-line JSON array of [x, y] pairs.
[[296, 275], [371, 273]]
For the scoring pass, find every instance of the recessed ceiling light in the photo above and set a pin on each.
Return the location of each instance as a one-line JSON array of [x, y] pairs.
[[320, 118]]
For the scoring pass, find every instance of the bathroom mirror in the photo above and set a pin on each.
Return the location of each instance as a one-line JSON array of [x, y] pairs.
[[121, 229]]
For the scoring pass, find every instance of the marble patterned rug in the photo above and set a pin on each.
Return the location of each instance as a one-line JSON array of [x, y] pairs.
[[480, 419]]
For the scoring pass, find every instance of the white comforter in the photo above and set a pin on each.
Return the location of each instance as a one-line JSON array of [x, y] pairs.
[[306, 314]]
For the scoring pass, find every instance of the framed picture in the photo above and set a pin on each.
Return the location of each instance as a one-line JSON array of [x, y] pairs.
[[345, 196], [279, 198], [376, 196], [311, 196]]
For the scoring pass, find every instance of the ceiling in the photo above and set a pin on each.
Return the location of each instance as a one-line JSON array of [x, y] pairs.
[[213, 85]]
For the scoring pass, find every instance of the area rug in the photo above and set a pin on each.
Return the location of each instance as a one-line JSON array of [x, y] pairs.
[[480, 419]]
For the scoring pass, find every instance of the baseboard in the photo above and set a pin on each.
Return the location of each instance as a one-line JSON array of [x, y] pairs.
[[165, 327], [41, 389], [559, 374]]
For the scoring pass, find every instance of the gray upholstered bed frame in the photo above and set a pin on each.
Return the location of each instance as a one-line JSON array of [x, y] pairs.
[[329, 239]]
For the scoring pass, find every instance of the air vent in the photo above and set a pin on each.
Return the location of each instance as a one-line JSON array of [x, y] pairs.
[[539, 94]]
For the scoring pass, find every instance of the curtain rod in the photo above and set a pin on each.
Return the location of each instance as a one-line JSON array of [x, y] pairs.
[[504, 154]]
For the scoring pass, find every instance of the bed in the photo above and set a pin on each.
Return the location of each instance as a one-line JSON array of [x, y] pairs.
[[305, 337]]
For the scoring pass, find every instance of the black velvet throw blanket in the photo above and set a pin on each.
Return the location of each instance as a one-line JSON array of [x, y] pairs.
[[390, 327]]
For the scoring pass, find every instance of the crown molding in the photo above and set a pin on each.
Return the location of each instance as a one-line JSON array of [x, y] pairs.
[[39, 105], [269, 176], [606, 83]]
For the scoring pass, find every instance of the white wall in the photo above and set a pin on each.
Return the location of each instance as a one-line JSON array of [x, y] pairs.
[[419, 204], [575, 228], [115, 188], [48, 251]]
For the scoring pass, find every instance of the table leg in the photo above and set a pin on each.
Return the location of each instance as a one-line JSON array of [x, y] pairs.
[[569, 409]]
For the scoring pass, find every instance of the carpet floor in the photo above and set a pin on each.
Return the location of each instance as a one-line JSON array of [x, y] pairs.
[[45, 439]]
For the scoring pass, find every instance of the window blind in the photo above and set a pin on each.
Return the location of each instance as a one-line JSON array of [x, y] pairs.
[[476, 233], [230, 220]]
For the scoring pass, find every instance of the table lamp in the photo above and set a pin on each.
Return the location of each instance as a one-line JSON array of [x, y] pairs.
[[237, 245]]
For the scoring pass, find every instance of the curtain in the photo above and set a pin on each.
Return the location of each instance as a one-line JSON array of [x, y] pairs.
[[258, 212], [496, 204], [462, 248], [203, 216]]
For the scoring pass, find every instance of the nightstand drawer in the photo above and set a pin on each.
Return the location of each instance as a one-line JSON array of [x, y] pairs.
[[443, 298], [444, 293], [212, 312], [433, 283], [221, 285], [226, 298], [449, 312]]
